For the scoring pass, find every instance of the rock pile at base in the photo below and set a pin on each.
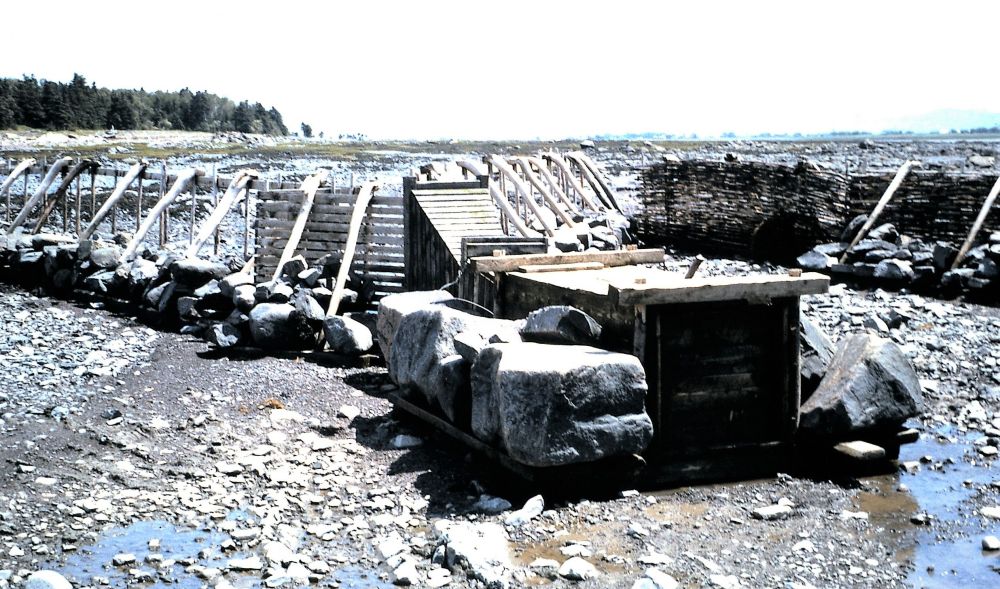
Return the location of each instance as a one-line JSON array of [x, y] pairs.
[[897, 261], [210, 298]]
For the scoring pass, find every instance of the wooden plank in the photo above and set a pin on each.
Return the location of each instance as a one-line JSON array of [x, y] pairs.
[[536, 268], [360, 206], [860, 450], [309, 187], [886, 197], [615, 258], [673, 289], [977, 225]]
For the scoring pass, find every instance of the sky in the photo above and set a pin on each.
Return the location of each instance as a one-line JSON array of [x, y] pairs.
[[531, 69]]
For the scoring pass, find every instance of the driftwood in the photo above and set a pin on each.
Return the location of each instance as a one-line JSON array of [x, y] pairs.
[[237, 187], [886, 197], [978, 224], [117, 195], [500, 199], [357, 215], [183, 179], [60, 192], [50, 177], [509, 174], [556, 160], [309, 187], [25, 164], [593, 173], [546, 195]]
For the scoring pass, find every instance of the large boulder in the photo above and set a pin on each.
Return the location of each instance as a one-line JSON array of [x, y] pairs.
[[894, 271], [561, 324], [106, 258], [194, 272], [816, 351], [424, 357], [870, 384], [392, 308], [816, 261], [548, 405], [280, 326], [228, 284], [853, 227], [346, 336]]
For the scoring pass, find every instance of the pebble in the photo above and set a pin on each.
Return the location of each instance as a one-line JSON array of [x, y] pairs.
[[991, 543], [577, 569], [404, 441]]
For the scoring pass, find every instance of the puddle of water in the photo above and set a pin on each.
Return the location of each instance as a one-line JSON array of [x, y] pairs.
[[175, 543], [950, 546], [355, 578]]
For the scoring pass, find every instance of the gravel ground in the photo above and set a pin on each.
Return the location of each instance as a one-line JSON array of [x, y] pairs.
[[221, 457]]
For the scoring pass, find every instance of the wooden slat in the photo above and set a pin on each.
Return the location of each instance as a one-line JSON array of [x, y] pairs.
[[616, 258]]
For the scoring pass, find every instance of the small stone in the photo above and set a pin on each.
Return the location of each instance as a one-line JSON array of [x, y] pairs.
[[532, 508], [772, 512], [46, 579], [253, 563], [123, 559], [991, 543], [348, 412], [406, 574], [404, 441], [990, 512], [229, 468], [577, 569]]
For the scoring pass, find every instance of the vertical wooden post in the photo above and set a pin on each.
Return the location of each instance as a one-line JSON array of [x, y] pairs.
[[93, 190], [138, 207], [246, 223], [215, 203], [165, 215], [65, 202], [79, 194], [194, 201], [24, 191]]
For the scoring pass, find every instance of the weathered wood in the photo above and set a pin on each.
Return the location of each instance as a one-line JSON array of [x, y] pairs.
[[556, 160], [544, 172], [22, 168], [513, 178], [364, 195], [671, 289], [614, 258], [237, 187], [501, 201], [886, 197], [117, 195], [60, 193], [595, 177], [57, 167], [180, 183], [551, 201], [536, 268], [977, 224], [309, 187]]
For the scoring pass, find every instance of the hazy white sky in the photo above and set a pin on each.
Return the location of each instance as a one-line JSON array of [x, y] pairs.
[[523, 69]]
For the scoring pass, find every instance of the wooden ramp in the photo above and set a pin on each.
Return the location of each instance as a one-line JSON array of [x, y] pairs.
[[438, 215]]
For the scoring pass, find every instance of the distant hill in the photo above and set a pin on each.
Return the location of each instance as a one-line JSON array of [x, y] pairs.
[[45, 104], [948, 120]]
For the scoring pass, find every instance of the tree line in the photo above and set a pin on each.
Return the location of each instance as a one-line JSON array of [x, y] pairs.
[[45, 104]]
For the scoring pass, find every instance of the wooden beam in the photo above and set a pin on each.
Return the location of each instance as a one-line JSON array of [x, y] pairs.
[[60, 192], [309, 187], [882, 202], [977, 225], [539, 268], [357, 215], [50, 177], [560, 163], [593, 176], [117, 195], [546, 195], [672, 288], [22, 167], [609, 259], [183, 179], [544, 172], [505, 208], [237, 187], [507, 172]]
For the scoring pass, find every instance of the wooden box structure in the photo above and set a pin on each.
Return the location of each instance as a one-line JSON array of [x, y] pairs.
[[721, 354]]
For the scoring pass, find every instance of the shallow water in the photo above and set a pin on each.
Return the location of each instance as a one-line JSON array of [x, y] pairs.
[[946, 553]]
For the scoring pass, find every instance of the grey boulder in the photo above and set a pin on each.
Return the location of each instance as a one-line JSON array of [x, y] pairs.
[[424, 357], [346, 336], [280, 326], [393, 308], [194, 272], [549, 405], [815, 261], [816, 351], [106, 258], [870, 384], [561, 324]]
